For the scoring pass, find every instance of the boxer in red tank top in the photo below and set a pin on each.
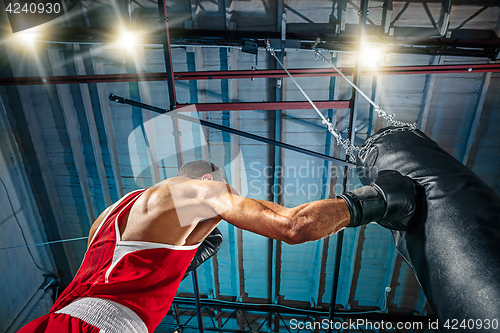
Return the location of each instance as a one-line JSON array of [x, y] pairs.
[[140, 248], [120, 271]]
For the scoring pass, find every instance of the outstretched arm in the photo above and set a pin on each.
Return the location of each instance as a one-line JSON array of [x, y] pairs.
[[307, 222]]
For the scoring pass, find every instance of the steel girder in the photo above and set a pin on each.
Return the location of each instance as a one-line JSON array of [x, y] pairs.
[[256, 315], [249, 74], [331, 41]]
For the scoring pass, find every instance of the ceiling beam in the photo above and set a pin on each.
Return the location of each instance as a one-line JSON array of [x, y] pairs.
[[108, 126], [242, 106], [94, 135], [73, 126], [230, 130], [404, 40], [73, 129], [250, 74], [149, 131], [425, 105], [475, 119], [104, 116]]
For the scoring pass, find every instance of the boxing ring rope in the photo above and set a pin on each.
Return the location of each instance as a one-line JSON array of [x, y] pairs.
[[45, 243]]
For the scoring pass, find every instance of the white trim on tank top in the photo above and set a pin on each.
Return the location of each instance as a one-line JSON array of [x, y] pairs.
[[111, 211], [123, 248], [108, 316]]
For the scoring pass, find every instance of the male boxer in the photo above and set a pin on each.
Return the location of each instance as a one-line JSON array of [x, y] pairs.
[[140, 248]]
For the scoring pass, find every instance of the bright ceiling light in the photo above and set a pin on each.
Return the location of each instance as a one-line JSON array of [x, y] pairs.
[[370, 55], [28, 36], [128, 39]]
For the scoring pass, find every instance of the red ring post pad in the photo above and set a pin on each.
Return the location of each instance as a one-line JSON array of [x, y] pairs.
[[454, 247], [24, 14]]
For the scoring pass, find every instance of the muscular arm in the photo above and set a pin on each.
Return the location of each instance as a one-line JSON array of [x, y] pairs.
[[307, 222], [171, 212]]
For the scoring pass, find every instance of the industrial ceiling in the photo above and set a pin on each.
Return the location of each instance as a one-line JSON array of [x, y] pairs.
[[432, 63]]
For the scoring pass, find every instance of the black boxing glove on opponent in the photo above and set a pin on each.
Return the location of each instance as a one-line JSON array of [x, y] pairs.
[[210, 245], [390, 201]]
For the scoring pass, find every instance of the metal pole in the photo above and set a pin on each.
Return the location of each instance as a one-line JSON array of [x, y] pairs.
[[275, 246], [162, 8], [352, 136], [177, 141], [50, 282], [276, 308], [205, 107], [230, 130], [245, 106], [197, 300]]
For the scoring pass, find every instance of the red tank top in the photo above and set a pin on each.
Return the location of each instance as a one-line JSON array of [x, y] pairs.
[[142, 276]]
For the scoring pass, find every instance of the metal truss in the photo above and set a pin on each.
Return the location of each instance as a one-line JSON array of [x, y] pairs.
[[457, 44], [250, 74], [232, 317], [247, 317]]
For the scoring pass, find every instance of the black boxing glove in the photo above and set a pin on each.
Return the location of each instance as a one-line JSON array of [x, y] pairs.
[[390, 200], [210, 245]]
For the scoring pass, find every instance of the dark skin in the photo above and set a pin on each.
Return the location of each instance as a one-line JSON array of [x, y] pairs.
[[182, 211]]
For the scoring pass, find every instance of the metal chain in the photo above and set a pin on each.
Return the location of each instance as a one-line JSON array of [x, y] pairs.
[[387, 132], [349, 147], [391, 119], [345, 143]]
